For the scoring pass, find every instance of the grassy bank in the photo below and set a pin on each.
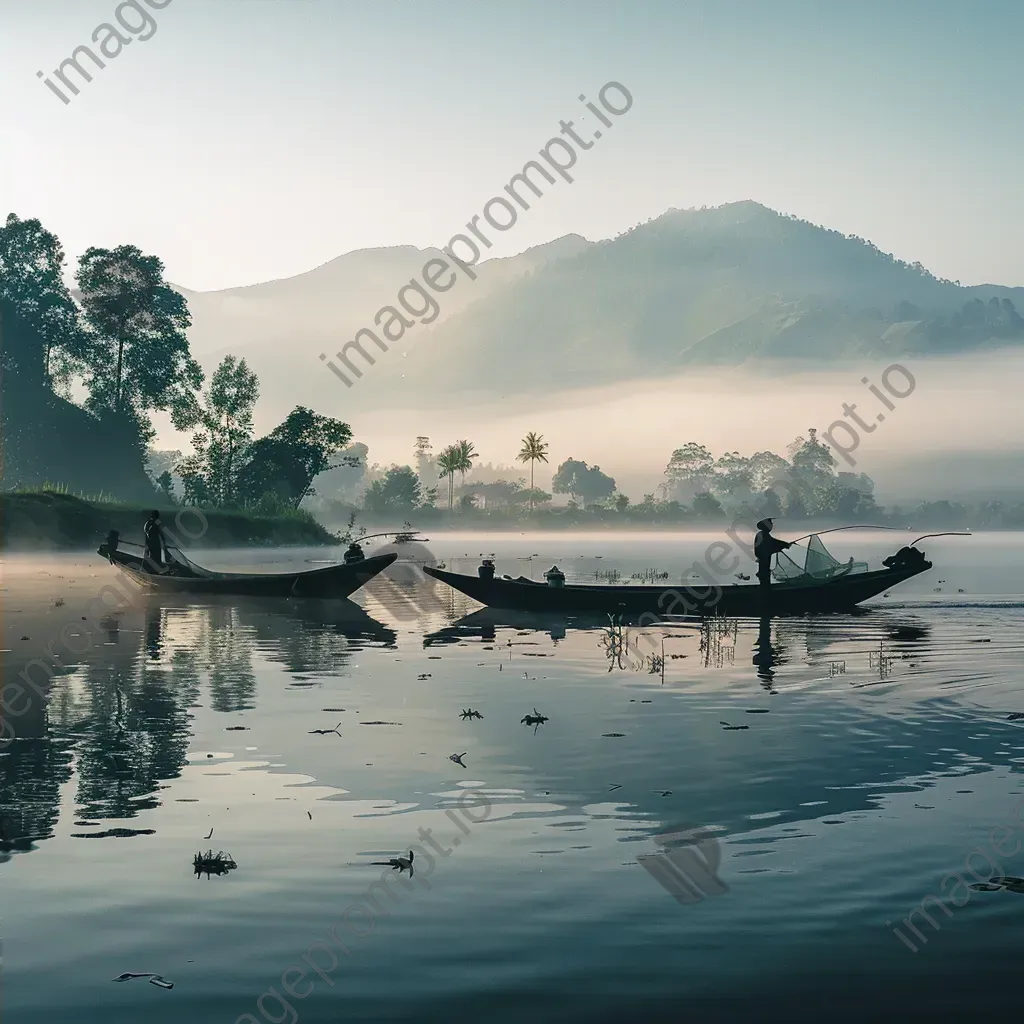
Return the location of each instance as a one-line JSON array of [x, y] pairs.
[[49, 521]]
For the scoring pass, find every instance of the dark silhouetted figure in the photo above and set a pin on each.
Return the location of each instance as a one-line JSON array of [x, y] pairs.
[[156, 545], [109, 546], [765, 547], [354, 553]]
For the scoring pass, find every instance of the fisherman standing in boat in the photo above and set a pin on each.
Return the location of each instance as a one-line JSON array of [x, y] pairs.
[[156, 544], [765, 547]]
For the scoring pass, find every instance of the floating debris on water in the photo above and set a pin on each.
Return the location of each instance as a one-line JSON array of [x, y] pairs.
[[211, 863], [380, 723], [323, 732], [1011, 883], [535, 719], [733, 727], [470, 713], [608, 734], [154, 979], [115, 833], [400, 864], [457, 758]]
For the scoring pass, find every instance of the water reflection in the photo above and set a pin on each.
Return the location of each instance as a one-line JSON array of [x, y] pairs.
[[119, 724], [31, 774], [766, 655]]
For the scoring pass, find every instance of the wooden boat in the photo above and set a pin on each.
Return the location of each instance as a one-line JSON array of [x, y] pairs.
[[183, 576], [834, 587]]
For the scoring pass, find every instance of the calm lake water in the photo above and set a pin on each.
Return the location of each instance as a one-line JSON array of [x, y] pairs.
[[636, 856]]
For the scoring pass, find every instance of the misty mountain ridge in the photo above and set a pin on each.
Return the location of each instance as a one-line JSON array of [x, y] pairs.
[[729, 286]]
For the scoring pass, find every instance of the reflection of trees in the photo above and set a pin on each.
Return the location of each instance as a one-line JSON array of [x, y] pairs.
[[122, 716], [227, 646], [137, 732], [31, 774], [718, 637]]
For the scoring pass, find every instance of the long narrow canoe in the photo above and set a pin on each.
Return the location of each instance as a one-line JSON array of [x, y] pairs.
[[792, 597], [184, 576]]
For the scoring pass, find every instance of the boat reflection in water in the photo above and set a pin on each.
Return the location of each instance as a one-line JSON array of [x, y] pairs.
[[119, 724], [627, 645]]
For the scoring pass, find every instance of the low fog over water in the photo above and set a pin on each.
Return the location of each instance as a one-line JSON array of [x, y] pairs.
[[955, 434]]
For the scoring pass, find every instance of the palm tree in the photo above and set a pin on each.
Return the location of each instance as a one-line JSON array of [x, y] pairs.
[[465, 453], [535, 449], [448, 462]]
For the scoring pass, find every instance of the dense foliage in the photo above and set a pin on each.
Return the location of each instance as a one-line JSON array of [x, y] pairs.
[[124, 344]]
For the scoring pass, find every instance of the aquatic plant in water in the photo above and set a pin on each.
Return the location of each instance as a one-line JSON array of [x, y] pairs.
[[211, 863]]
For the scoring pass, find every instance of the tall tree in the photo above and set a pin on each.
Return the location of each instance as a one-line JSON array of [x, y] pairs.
[[734, 476], [465, 453], [535, 449], [583, 483], [812, 470], [689, 470], [448, 463], [32, 289], [398, 491], [139, 358], [768, 468], [285, 462], [225, 430]]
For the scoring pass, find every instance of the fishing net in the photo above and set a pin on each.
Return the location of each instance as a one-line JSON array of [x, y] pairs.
[[179, 564], [818, 563]]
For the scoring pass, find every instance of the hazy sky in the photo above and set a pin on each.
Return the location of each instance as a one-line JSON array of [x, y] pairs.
[[254, 139]]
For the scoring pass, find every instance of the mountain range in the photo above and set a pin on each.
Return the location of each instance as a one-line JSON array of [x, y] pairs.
[[735, 285]]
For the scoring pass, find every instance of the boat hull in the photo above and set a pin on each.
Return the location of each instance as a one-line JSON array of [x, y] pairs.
[[334, 581], [794, 597]]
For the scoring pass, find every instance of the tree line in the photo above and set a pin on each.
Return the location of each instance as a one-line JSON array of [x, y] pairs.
[[120, 342], [696, 487]]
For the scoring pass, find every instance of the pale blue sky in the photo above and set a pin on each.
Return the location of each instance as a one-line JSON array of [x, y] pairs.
[[254, 139]]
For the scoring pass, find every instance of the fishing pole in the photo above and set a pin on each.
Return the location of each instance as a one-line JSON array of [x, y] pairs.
[[835, 529], [950, 533]]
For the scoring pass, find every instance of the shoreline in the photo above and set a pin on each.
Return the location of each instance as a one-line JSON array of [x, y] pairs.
[[50, 521]]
